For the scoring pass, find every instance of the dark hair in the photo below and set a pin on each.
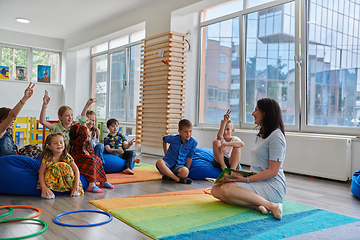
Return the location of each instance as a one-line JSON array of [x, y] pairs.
[[4, 113], [111, 121], [46, 150], [184, 123], [94, 130], [272, 117], [73, 134]]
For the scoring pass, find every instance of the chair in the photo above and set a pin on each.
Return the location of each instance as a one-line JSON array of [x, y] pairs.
[[21, 129], [47, 132], [35, 132]]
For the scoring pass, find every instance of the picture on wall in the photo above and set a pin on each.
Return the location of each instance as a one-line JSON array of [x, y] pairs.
[[128, 131], [44, 73], [4, 72], [21, 73]]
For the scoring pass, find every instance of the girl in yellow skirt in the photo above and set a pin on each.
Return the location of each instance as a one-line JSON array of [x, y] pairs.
[[58, 171]]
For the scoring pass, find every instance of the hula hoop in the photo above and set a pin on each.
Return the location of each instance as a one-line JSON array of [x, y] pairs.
[[26, 219], [8, 213], [85, 225], [24, 206], [208, 191]]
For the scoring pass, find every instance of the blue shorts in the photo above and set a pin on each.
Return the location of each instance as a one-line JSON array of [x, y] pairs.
[[175, 169]]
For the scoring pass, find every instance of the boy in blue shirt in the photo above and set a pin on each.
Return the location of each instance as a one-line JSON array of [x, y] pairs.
[[115, 143], [176, 163]]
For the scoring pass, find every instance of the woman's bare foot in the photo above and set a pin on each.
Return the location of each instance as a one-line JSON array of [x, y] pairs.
[[137, 160], [128, 171]]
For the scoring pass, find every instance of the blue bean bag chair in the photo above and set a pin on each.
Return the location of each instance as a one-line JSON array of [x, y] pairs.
[[202, 165], [355, 184], [19, 175], [114, 164]]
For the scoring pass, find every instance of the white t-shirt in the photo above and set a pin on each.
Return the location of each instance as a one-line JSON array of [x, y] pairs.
[[227, 150]]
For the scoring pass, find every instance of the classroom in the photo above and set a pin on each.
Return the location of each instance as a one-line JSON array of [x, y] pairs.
[[150, 63]]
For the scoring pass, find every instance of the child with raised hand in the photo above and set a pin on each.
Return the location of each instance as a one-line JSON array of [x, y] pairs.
[[116, 143], [58, 171], [65, 115], [227, 148], [176, 163], [89, 165], [7, 118], [93, 130]]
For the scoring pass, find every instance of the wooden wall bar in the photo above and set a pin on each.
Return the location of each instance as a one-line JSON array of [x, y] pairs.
[[162, 88]]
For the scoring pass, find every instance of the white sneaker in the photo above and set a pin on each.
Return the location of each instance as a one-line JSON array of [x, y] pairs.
[[47, 197], [76, 194]]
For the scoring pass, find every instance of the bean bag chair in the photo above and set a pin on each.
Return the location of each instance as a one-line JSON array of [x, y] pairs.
[[19, 175], [355, 184], [114, 164], [202, 165]]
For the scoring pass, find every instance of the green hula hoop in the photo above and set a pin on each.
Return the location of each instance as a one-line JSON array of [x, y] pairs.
[[27, 219], [7, 214]]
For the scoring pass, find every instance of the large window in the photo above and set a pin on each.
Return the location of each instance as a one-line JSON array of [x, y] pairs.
[[116, 77], [17, 60], [319, 92]]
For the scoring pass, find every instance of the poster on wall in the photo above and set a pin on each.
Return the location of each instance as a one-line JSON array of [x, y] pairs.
[[21, 73], [44, 73], [128, 131], [4, 72]]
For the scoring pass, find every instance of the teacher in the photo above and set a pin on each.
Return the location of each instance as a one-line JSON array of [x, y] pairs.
[[264, 191]]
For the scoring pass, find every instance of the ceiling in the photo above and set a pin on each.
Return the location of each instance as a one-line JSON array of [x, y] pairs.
[[61, 18]]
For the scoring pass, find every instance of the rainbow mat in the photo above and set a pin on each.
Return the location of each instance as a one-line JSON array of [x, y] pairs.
[[196, 215], [143, 172]]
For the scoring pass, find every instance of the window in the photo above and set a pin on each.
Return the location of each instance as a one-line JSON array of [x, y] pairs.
[[219, 41], [18, 60], [117, 88]]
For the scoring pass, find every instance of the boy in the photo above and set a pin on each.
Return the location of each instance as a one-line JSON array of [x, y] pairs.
[[115, 143], [227, 148], [178, 157]]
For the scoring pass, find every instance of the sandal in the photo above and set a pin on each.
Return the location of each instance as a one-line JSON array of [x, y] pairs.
[[106, 185], [94, 189], [185, 180]]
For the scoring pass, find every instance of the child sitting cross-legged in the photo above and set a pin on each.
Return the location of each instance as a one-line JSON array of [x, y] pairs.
[[178, 157], [227, 148], [115, 143], [58, 171]]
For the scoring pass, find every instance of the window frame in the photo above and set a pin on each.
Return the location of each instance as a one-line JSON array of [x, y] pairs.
[[30, 62], [126, 48]]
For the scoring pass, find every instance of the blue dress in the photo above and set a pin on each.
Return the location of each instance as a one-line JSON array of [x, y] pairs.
[[271, 148]]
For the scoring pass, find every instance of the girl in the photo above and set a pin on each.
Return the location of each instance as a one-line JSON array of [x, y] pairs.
[[93, 130], [58, 171], [7, 118], [82, 152], [264, 191], [65, 115]]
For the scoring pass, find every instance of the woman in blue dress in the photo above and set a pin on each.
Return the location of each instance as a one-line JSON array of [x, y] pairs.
[[264, 191]]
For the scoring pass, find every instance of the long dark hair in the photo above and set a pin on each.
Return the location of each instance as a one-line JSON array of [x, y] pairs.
[[74, 134], [46, 150], [272, 117]]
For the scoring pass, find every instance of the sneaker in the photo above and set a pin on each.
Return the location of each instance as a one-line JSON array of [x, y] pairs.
[[47, 197], [106, 185], [94, 189], [76, 194]]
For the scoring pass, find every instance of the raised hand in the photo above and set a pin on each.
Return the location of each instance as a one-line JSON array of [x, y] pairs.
[[91, 101], [131, 142], [227, 115], [46, 98], [29, 91]]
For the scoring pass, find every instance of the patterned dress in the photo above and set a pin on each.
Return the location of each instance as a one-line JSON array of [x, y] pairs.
[[88, 163], [59, 176]]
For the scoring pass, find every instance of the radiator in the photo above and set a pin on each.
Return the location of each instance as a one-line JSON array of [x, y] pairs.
[[320, 155]]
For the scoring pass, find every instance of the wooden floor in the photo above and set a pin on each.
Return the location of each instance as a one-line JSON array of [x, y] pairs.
[[320, 193]]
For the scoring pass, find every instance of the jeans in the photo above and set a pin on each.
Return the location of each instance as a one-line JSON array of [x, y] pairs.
[[128, 156], [98, 150]]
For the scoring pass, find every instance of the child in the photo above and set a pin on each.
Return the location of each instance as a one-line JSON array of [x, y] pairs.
[[93, 130], [65, 115], [58, 171], [82, 152], [179, 153], [227, 148], [7, 118], [115, 143]]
